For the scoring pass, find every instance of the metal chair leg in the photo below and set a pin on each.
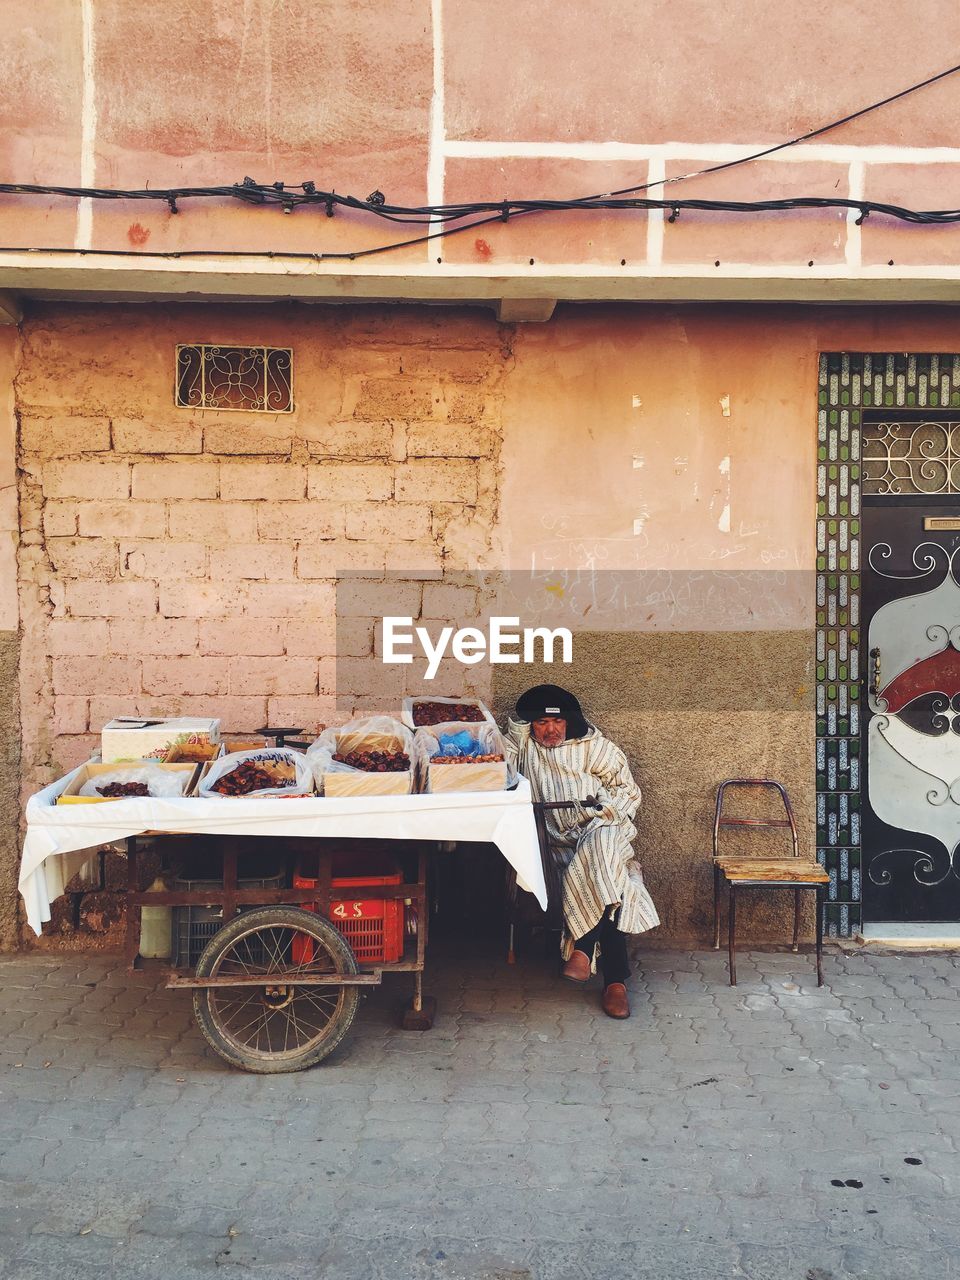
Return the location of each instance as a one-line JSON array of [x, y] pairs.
[[797, 897], [716, 907], [511, 953], [820, 935], [732, 937]]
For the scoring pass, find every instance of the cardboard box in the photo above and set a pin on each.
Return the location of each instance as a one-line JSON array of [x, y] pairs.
[[491, 776], [358, 783], [136, 738], [376, 733], [194, 753], [92, 770], [233, 743], [291, 774], [462, 772]]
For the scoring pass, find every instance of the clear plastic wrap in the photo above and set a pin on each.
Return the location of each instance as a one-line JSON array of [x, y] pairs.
[[462, 742], [282, 762], [370, 734], [408, 705], [159, 782]]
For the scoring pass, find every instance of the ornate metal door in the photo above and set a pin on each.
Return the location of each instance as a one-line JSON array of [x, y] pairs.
[[911, 722]]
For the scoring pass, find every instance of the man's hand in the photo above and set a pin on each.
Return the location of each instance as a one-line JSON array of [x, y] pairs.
[[594, 807]]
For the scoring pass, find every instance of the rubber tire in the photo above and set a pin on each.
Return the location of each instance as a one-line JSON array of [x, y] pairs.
[[264, 917]]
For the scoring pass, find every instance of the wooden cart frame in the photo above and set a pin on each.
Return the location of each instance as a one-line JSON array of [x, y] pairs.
[[277, 977]]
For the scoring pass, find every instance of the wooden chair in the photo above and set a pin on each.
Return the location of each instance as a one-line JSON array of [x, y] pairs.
[[553, 868], [757, 871]]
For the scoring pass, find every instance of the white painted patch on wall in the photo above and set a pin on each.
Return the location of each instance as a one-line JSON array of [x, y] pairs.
[[83, 236], [725, 406], [436, 153], [856, 182], [656, 174], [639, 462], [711, 152], [640, 522], [637, 402], [723, 524], [680, 465]]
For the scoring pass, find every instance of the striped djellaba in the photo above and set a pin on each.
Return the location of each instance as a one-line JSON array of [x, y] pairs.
[[596, 849]]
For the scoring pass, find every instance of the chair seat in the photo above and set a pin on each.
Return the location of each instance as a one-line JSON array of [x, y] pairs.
[[772, 870]]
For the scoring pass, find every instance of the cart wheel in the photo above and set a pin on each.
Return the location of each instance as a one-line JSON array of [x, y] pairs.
[[274, 1028]]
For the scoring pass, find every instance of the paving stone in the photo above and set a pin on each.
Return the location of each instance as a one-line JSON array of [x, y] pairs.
[[526, 1137]]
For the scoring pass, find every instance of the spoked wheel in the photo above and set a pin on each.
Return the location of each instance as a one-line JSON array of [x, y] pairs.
[[280, 1024]]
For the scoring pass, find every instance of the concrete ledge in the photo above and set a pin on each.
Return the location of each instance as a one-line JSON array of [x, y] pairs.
[[941, 935], [104, 275]]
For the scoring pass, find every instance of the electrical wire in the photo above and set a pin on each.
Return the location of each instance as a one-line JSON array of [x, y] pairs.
[[291, 197], [803, 137], [927, 217]]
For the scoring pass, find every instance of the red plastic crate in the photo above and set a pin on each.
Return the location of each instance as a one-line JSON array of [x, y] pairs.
[[372, 926]]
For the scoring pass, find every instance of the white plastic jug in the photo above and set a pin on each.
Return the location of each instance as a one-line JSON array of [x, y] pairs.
[[156, 926]]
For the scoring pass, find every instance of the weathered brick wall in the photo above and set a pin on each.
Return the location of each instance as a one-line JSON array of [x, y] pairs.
[[182, 562]]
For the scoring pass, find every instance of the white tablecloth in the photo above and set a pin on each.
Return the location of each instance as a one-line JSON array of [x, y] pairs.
[[60, 837]]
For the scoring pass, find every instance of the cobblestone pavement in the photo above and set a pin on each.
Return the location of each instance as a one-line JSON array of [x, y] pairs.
[[772, 1131]]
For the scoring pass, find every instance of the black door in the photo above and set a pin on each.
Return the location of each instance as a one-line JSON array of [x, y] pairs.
[[910, 735]]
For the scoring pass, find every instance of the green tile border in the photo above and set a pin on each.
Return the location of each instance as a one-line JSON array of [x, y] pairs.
[[848, 384]]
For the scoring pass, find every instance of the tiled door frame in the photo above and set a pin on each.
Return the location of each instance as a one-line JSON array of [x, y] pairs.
[[848, 384]]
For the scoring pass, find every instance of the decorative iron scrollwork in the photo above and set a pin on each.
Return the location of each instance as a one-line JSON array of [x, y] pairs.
[[911, 457], [925, 869], [247, 379]]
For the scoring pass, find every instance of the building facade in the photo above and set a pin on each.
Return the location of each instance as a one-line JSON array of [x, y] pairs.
[[723, 438]]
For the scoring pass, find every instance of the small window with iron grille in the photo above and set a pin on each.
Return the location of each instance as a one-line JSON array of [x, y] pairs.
[[253, 379]]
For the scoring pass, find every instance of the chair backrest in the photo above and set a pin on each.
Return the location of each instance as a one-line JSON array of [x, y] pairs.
[[722, 819], [553, 866]]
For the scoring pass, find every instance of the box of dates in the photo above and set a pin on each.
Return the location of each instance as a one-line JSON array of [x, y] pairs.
[[272, 771], [145, 779], [462, 757], [424, 713], [194, 752], [368, 757]]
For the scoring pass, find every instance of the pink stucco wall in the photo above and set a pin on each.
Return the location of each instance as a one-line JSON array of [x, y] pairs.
[[176, 561], [434, 102]]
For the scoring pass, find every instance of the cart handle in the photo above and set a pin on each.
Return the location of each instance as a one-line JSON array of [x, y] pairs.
[[591, 802]]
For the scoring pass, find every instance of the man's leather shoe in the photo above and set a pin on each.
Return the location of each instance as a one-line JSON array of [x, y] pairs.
[[615, 1002], [577, 968]]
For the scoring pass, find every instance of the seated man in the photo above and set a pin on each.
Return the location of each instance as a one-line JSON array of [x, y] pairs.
[[604, 897]]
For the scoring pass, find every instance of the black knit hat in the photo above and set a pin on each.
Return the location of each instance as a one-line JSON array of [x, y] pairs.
[[551, 700]]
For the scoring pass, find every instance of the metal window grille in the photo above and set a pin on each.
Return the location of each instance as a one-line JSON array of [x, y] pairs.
[[920, 456], [247, 379]]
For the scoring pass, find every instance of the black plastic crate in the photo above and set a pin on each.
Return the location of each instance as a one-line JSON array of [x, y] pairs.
[[193, 927]]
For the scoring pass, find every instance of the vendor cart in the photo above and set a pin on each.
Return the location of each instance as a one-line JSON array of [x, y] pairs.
[[277, 986]]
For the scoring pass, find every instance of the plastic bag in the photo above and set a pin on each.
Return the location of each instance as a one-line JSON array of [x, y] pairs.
[[161, 783], [462, 742], [408, 705], [276, 760], [372, 733]]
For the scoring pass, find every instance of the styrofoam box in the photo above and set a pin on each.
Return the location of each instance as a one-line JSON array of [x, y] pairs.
[[130, 738]]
